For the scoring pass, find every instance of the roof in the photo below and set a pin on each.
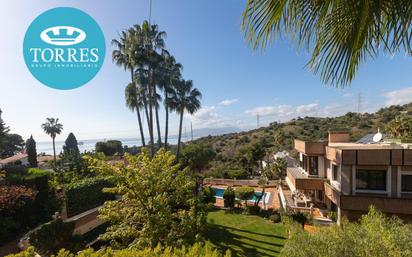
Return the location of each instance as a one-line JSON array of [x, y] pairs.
[[368, 139], [357, 146], [14, 158]]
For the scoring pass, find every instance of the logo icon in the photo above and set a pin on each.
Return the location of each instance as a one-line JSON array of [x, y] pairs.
[[64, 48], [63, 35]]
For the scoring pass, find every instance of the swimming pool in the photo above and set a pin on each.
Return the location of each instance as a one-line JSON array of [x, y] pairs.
[[265, 198]]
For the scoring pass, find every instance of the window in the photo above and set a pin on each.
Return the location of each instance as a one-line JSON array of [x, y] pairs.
[[371, 180], [335, 173], [313, 165], [406, 181]]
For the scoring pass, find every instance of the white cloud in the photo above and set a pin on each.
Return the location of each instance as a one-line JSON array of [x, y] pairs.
[[228, 102], [285, 112], [400, 96], [347, 95], [206, 116]]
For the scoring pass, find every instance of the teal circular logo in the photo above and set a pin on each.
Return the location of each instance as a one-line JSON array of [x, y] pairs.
[[64, 48]]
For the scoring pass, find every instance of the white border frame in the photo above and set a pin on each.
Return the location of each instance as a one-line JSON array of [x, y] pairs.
[[388, 183], [399, 184]]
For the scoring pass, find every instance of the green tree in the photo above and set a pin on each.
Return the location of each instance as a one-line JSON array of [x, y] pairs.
[[109, 148], [71, 153], [187, 100], [340, 34], [401, 127], [279, 167], [229, 198], [197, 156], [244, 193], [31, 152], [52, 127], [374, 235], [158, 204], [169, 77], [12, 145], [4, 130], [125, 55]]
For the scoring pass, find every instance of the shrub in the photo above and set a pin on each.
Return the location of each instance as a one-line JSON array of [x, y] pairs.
[[53, 236], [15, 203], [109, 148], [229, 197], [275, 218], [244, 193], [209, 195], [332, 215], [196, 250], [300, 217], [252, 210], [85, 194]]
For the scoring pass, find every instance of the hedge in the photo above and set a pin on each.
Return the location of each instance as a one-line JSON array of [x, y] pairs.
[[49, 238], [85, 194]]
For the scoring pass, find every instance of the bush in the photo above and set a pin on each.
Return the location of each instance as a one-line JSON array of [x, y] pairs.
[[275, 218], [209, 195], [85, 194], [109, 148], [300, 217], [245, 193], [53, 236], [229, 198], [332, 215], [252, 210], [196, 250], [15, 203]]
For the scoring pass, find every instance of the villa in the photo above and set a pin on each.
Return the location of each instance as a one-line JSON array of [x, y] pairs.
[[21, 157], [347, 177]]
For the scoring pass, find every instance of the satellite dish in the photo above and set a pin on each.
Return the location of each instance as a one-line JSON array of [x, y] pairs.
[[377, 137]]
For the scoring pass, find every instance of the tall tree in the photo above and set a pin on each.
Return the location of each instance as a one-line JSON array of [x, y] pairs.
[[187, 100], [170, 75], [340, 34], [164, 211], [52, 127], [153, 42], [125, 55], [31, 152], [71, 144], [134, 101], [4, 130]]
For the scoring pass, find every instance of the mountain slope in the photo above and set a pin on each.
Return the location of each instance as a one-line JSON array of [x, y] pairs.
[[307, 128]]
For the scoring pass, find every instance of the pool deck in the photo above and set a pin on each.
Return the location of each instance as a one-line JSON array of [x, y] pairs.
[[273, 201]]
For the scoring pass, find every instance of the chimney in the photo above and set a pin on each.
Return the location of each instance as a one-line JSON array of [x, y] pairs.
[[338, 136]]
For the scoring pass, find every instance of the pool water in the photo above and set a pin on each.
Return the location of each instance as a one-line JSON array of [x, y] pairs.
[[219, 194]]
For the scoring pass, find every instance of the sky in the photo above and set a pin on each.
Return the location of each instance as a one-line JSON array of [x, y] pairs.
[[237, 83]]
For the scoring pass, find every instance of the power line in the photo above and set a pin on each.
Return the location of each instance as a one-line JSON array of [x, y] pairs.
[[257, 119], [150, 12], [360, 101]]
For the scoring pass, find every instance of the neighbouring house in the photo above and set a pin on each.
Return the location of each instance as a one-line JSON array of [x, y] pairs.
[[290, 161], [20, 158], [347, 177]]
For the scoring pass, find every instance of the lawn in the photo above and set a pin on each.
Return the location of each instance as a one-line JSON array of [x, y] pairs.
[[244, 235]]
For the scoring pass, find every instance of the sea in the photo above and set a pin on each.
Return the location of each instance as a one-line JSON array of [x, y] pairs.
[[89, 144]]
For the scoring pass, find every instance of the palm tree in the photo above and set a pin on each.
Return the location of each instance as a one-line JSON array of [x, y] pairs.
[[187, 99], [152, 41], [340, 34], [134, 102], [126, 55], [170, 75], [52, 127]]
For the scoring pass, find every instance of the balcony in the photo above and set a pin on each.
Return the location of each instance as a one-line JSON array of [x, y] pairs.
[[301, 181], [310, 148], [385, 204]]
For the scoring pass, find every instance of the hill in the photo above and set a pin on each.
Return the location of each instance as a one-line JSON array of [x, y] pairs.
[[279, 136]]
